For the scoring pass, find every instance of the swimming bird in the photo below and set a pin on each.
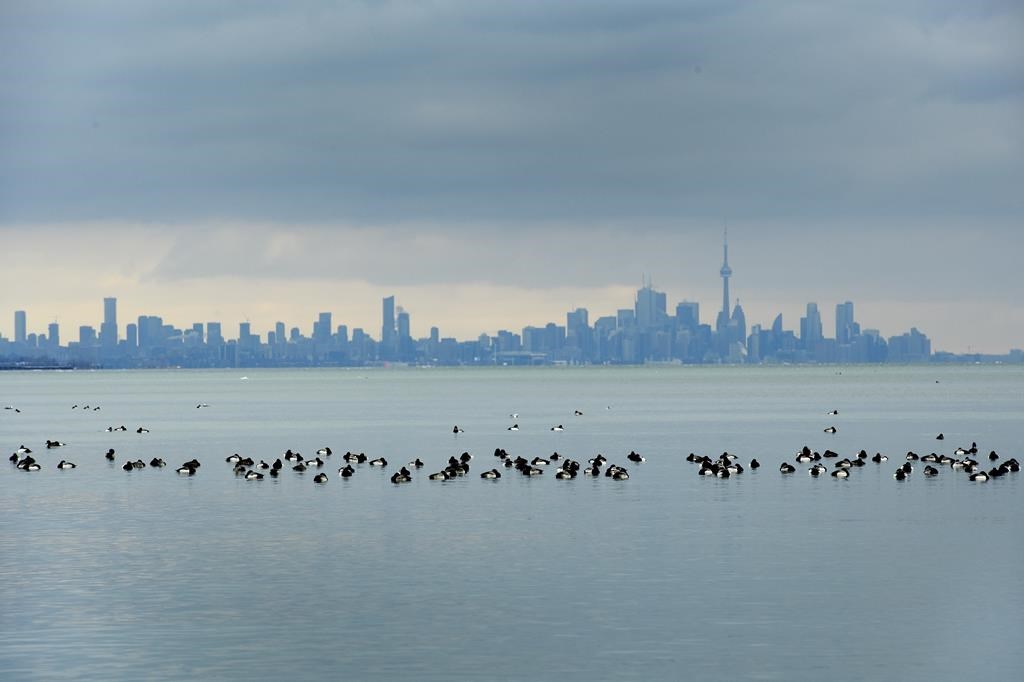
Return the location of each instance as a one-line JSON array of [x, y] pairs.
[[201, 406], [439, 476], [157, 462], [320, 479], [833, 412], [141, 430], [787, 468], [127, 466], [940, 437], [110, 454], [754, 464], [300, 467], [379, 462], [416, 463], [817, 470], [831, 429], [22, 450], [493, 473], [456, 430], [186, 470], [841, 473], [32, 467], [402, 476], [979, 476], [557, 428], [634, 456], [253, 475], [54, 444], [514, 427], [326, 452], [315, 462], [578, 413], [346, 471], [66, 465], [878, 458], [234, 459], [899, 475], [931, 471]]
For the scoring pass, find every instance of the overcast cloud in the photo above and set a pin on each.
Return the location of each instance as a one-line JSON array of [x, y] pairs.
[[476, 158]]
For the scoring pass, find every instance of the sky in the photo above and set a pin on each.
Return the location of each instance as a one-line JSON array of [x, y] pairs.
[[495, 164]]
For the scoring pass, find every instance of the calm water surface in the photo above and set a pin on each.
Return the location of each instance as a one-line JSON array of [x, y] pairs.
[[106, 574]]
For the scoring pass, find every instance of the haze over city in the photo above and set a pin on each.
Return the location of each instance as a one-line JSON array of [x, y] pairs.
[[494, 165]]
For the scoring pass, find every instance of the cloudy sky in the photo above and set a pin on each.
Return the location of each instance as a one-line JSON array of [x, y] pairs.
[[493, 164]]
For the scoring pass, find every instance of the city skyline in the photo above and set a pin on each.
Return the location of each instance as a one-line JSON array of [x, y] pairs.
[[648, 331], [492, 164]]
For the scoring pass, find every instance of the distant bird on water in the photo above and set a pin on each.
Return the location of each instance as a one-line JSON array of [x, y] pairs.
[[456, 430], [831, 429]]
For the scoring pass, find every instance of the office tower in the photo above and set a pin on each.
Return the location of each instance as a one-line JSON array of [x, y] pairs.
[[197, 331], [19, 326], [844, 322], [322, 328], [244, 331], [342, 334], [625, 318], [131, 335], [213, 334], [688, 315], [404, 338], [435, 335], [738, 324], [726, 273], [53, 332], [649, 308], [86, 336], [279, 335], [387, 330], [108, 330], [810, 327]]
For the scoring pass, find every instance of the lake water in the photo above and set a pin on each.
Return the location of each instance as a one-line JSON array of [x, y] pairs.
[[107, 574]]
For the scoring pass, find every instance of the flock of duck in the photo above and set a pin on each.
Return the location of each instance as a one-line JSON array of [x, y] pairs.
[[724, 466]]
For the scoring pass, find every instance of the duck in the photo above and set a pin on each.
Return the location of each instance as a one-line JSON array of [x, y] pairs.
[[128, 466], [157, 462], [139, 464], [416, 463], [202, 405], [492, 474], [878, 458], [931, 471], [979, 476], [253, 475], [110, 454], [754, 464], [233, 459], [290, 456], [346, 471], [899, 475], [400, 477], [787, 468], [186, 470], [537, 461], [578, 413], [833, 413], [439, 476], [22, 450], [299, 468], [326, 452], [940, 437], [379, 462], [831, 429], [634, 456], [514, 427], [565, 475], [320, 479], [141, 430], [54, 444], [66, 465], [841, 473], [34, 466], [456, 430], [817, 470], [315, 462]]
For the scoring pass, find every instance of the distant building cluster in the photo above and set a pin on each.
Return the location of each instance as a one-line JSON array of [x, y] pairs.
[[645, 333]]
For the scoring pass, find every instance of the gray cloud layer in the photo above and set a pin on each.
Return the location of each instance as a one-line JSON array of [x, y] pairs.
[[494, 110]]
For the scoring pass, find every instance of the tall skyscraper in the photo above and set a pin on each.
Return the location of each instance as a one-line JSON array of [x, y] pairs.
[[387, 330], [810, 327], [108, 330], [322, 328], [279, 334], [844, 322], [53, 332], [726, 273], [649, 308], [19, 326]]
